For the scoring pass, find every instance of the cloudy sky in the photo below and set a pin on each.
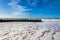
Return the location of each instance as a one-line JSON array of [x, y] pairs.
[[23, 8]]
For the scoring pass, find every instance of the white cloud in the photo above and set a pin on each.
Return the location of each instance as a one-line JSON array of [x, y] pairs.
[[34, 2], [13, 2], [18, 8]]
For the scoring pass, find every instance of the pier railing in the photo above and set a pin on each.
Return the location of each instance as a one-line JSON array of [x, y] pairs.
[[19, 20]]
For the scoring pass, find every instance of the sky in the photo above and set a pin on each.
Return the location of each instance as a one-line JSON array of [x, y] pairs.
[[23, 8]]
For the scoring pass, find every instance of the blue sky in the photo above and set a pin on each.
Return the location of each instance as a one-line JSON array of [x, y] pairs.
[[22, 8]]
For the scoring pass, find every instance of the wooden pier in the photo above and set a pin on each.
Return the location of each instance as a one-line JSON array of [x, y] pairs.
[[19, 20]]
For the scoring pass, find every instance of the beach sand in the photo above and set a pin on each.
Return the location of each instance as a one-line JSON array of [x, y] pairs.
[[30, 30]]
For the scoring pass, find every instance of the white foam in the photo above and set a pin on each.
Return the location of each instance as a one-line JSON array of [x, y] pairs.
[[50, 19]]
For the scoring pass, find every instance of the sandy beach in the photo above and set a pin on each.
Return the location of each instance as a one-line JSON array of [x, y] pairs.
[[30, 30]]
